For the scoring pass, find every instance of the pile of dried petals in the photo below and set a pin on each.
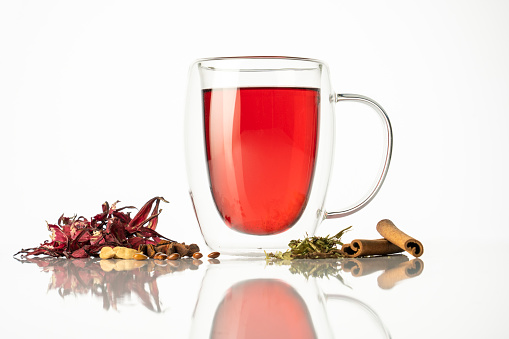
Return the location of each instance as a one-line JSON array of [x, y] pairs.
[[81, 238]]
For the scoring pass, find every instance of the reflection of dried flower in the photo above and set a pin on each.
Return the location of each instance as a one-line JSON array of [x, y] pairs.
[[81, 238], [111, 280]]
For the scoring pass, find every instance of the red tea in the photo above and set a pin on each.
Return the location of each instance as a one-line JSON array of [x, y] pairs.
[[262, 308], [261, 148]]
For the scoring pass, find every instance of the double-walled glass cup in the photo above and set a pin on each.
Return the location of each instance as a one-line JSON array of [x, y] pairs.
[[259, 150]]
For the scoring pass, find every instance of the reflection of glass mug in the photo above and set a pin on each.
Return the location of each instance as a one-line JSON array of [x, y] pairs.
[[259, 149], [247, 299]]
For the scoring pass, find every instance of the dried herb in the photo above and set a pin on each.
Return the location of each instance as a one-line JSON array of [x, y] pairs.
[[312, 248], [82, 238]]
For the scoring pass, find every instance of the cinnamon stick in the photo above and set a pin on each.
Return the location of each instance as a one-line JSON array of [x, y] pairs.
[[406, 270], [364, 266], [390, 232], [364, 247]]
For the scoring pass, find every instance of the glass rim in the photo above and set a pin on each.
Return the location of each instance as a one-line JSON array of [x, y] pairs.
[[259, 63]]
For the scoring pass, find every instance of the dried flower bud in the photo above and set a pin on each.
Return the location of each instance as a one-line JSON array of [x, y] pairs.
[[182, 249], [142, 248], [150, 250], [193, 248], [169, 249]]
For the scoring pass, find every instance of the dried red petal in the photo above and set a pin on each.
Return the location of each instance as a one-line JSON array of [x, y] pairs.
[[122, 216], [117, 229], [113, 207], [64, 220], [97, 239], [80, 253], [150, 233], [57, 234], [141, 217], [155, 213], [74, 245], [67, 231], [135, 242], [99, 217], [105, 207]]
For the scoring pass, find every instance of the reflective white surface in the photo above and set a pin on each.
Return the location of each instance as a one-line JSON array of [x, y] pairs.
[[92, 109], [452, 291]]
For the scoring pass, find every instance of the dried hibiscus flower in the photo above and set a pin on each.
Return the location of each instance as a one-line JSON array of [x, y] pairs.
[[81, 238]]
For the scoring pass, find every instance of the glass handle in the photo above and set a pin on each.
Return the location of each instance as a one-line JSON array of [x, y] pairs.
[[387, 150], [371, 319]]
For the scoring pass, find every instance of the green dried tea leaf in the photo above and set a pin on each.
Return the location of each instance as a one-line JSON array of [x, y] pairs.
[[312, 248]]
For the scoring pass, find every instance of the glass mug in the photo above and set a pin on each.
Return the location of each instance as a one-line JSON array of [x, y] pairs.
[[259, 150]]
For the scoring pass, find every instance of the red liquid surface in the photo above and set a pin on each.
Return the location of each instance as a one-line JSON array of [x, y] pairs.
[[261, 149], [262, 309]]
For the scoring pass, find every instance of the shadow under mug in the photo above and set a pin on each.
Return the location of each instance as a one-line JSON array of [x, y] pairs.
[[259, 150]]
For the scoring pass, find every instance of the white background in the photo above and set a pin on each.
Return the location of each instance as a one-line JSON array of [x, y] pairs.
[[92, 97]]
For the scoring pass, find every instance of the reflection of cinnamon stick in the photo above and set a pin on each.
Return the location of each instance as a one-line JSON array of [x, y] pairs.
[[363, 247], [363, 266], [406, 270], [390, 232]]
